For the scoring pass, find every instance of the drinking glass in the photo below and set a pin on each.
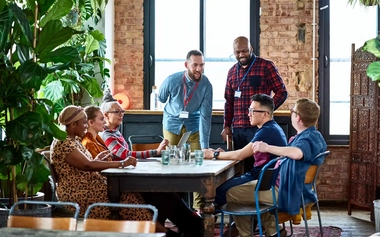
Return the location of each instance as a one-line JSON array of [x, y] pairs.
[[198, 157], [187, 152], [173, 153], [165, 157]]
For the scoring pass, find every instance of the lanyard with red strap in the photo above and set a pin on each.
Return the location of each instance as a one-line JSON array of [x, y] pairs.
[[186, 99]]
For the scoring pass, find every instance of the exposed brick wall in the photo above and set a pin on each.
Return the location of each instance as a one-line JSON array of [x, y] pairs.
[[129, 51], [286, 39], [333, 178]]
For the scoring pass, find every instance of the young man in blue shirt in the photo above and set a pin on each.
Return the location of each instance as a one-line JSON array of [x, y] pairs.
[[188, 98]]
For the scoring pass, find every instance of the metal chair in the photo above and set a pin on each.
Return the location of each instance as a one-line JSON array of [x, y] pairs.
[[46, 223], [266, 181], [127, 226], [144, 142], [310, 178]]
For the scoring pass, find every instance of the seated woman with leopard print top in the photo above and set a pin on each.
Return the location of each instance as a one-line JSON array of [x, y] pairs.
[[79, 175]]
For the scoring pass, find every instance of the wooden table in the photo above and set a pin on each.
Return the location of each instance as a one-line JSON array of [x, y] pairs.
[[155, 177], [23, 232]]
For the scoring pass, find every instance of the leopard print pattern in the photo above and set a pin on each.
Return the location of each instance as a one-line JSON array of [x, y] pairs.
[[87, 187]]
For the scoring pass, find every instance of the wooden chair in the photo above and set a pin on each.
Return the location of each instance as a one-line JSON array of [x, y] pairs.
[[53, 177], [127, 226], [46, 223], [144, 142], [310, 178]]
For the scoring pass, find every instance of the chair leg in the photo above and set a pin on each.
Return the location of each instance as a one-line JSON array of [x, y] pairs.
[[319, 219], [304, 216], [221, 223]]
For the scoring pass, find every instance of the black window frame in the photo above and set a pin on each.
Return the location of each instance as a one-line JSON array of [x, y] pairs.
[[149, 36], [324, 75]]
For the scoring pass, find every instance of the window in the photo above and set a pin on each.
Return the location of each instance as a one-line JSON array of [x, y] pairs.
[[341, 25], [210, 26]]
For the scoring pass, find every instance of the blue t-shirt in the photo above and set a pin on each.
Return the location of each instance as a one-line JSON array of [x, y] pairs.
[[272, 134]]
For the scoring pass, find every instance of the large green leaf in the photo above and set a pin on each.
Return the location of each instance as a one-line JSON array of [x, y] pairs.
[[373, 71], [5, 27], [32, 74], [26, 129], [23, 22], [59, 10], [92, 86], [372, 46], [57, 132], [54, 90], [61, 55], [58, 67], [44, 5], [52, 36], [91, 44], [7, 155], [23, 52]]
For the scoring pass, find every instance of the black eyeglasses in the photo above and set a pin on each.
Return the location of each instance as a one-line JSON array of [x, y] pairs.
[[120, 112], [292, 111], [251, 111]]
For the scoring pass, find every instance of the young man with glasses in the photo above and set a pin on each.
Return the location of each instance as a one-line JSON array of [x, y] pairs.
[[260, 114], [249, 76]]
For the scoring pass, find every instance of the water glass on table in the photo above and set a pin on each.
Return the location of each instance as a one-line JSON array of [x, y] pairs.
[[173, 153], [198, 157], [165, 157], [187, 152]]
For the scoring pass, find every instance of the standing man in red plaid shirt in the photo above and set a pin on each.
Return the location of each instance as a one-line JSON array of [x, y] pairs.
[[249, 76]]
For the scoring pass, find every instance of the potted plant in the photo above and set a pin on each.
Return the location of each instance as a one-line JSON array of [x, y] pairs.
[[35, 45]]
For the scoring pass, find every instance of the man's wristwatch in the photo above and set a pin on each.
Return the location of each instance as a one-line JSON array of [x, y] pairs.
[[216, 154], [122, 163]]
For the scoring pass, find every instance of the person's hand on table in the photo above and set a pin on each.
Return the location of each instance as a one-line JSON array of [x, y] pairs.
[[208, 153], [130, 161], [162, 146]]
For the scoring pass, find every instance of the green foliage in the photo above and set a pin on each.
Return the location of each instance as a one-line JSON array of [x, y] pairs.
[[373, 69], [41, 70], [365, 2]]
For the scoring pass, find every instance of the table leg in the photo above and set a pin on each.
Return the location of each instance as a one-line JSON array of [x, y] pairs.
[[208, 210], [114, 196]]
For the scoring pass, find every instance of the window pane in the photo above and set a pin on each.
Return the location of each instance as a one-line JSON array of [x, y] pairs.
[[225, 20], [177, 32], [348, 24]]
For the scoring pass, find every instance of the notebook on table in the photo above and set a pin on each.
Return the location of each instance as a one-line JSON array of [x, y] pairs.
[[183, 139]]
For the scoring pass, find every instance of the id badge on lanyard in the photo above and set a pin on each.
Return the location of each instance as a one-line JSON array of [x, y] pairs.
[[238, 91], [186, 99]]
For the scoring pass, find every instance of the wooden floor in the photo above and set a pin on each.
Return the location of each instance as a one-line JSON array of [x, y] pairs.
[[358, 224]]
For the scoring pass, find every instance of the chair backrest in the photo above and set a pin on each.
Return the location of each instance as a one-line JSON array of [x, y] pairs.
[[312, 172], [144, 142], [53, 177], [268, 175], [46, 223], [53, 173], [127, 226]]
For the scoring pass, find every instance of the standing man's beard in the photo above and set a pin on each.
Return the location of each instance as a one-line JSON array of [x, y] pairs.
[[248, 58], [192, 77]]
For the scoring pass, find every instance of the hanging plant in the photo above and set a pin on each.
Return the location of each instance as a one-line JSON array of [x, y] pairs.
[[366, 3]]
